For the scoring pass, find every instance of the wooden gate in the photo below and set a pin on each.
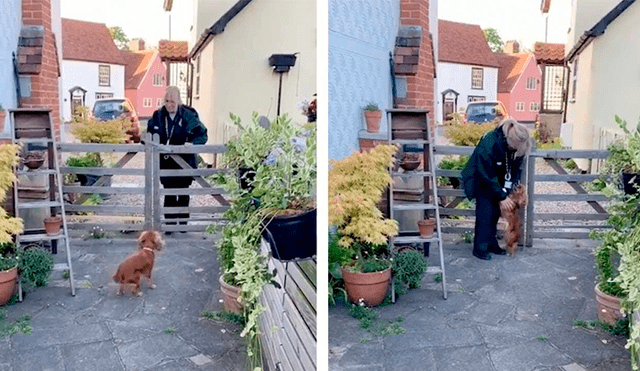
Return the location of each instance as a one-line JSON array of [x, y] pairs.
[[137, 203], [565, 225]]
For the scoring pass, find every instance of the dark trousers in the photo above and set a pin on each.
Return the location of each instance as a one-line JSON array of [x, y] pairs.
[[487, 215], [176, 200]]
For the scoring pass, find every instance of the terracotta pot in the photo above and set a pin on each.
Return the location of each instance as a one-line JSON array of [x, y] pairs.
[[608, 307], [370, 287], [52, 225], [7, 284], [373, 119], [230, 296], [426, 227]]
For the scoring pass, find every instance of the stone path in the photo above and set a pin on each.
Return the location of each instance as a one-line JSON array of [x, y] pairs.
[[98, 330], [507, 314]]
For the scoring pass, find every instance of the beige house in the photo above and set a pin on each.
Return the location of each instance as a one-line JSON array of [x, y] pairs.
[[231, 58], [603, 72]]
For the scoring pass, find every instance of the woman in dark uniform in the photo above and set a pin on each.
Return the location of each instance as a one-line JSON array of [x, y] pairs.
[[491, 173], [177, 125]]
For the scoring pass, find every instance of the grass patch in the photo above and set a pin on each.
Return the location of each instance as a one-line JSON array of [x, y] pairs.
[[620, 328], [542, 338], [169, 330], [21, 326], [368, 321], [222, 316], [438, 277]]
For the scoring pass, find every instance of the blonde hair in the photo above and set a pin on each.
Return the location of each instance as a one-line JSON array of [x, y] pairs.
[[173, 92], [517, 135]]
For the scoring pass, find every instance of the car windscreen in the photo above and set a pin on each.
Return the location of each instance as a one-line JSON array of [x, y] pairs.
[[108, 110], [481, 112]]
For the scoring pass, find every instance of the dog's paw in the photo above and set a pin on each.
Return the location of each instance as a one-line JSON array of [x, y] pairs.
[[152, 286], [119, 293], [139, 294]]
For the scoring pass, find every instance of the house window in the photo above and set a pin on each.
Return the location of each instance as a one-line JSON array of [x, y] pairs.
[[554, 83], [146, 102], [158, 80], [476, 98], [104, 75], [197, 78], [574, 78], [534, 107], [476, 78], [532, 83], [104, 95], [159, 102], [520, 106]]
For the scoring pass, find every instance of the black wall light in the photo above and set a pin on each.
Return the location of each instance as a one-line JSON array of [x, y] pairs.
[[281, 63]]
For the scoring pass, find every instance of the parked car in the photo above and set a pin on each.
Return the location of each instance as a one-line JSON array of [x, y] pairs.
[[481, 112], [113, 108]]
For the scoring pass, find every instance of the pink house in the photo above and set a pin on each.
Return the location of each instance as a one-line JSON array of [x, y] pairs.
[[519, 86], [145, 79]]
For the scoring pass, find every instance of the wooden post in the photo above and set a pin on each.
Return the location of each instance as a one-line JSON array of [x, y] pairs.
[[531, 179], [149, 205], [155, 190]]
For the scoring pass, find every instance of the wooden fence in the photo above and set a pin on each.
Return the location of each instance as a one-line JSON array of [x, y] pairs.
[[139, 204], [538, 225], [288, 325]]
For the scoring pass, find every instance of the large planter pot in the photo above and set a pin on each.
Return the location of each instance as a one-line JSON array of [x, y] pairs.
[[7, 284], [292, 237], [608, 307], [230, 296], [373, 119], [629, 182], [371, 288]]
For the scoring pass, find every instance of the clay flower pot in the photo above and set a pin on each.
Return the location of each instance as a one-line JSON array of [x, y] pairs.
[[426, 227], [373, 119], [230, 296], [370, 288], [410, 161], [7, 284], [52, 225], [608, 307], [33, 160]]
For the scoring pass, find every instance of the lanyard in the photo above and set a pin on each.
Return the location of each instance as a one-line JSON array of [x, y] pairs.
[[173, 127], [507, 161]]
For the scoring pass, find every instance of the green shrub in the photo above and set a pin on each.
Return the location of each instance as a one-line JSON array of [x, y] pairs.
[[35, 268], [409, 267], [467, 133], [91, 159], [89, 130]]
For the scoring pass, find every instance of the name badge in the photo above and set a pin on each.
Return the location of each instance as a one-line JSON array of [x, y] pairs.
[[508, 184]]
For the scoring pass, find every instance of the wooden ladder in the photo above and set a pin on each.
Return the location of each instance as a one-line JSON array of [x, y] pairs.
[[410, 128], [34, 128]]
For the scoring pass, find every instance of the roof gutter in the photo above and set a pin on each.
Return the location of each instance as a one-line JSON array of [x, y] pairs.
[[598, 29], [218, 27]]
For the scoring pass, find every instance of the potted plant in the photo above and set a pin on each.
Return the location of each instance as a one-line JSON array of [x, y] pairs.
[[426, 227], [52, 224], [285, 184], [410, 161], [408, 269], [356, 184], [92, 159], [8, 271], [372, 116], [624, 159], [35, 267]]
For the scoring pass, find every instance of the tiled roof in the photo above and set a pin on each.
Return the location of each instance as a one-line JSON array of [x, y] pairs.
[[549, 53], [137, 65], [89, 42], [511, 67], [173, 50], [464, 43]]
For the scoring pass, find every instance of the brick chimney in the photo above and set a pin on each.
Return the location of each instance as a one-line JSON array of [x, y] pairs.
[[414, 56], [136, 45], [38, 59], [512, 47]]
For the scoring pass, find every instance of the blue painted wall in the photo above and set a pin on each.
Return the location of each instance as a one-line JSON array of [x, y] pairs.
[[10, 23], [361, 35]]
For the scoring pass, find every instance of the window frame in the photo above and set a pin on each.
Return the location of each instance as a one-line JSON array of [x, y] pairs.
[[537, 105], [102, 68], [532, 81], [474, 78], [518, 105]]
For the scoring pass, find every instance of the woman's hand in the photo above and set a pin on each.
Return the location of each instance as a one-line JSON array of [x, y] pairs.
[[507, 205]]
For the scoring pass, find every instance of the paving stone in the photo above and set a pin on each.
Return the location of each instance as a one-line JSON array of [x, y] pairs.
[[200, 360], [527, 356], [143, 354], [573, 367], [433, 338], [463, 359], [47, 359], [410, 360], [100, 356], [75, 334]]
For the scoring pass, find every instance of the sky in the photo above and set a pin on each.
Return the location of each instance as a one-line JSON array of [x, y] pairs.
[[144, 19], [513, 19]]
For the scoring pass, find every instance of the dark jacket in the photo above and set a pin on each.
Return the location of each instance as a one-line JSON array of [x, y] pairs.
[[185, 128], [484, 173]]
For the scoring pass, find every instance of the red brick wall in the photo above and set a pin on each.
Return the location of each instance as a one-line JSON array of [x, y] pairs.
[[44, 86], [420, 88]]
